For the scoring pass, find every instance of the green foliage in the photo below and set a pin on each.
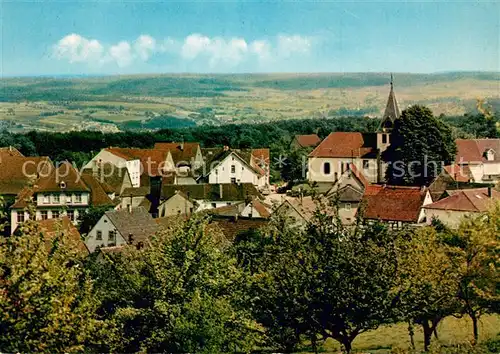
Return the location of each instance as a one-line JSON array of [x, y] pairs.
[[90, 217], [46, 297], [183, 294], [420, 144]]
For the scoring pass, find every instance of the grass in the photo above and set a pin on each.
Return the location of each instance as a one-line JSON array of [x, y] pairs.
[[451, 331]]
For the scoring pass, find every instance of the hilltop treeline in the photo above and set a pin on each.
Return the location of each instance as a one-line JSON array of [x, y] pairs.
[[277, 289]]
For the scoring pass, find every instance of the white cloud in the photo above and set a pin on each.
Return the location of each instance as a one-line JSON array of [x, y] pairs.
[[78, 49], [218, 51], [121, 53], [145, 46], [288, 45]]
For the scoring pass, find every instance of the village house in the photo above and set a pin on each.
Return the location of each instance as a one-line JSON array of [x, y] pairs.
[[395, 205], [305, 141], [132, 226], [461, 203], [62, 192], [225, 165], [347, 194], [186, 199], [64, 229], [481, 157], [116, 178], [256, 209]]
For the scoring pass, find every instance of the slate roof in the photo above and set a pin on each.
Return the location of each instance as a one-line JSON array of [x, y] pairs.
[[136, 192], [393, 203], [12, 177], [138, 222], [391, 109], [347, 145], [231, 192], [227, 210], [467, 200], [309, 140], [473, 150]]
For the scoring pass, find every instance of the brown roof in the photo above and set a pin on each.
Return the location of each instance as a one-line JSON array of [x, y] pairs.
[[9, 151], [261, 208], [391, 109], [310, 140], [17, 172], [179, 151], [227, 210], [65, 177], [138, 223], [98, 194], [469, 200], [393, 203], [136, 192], [359, 175], [51, 228], [346, 144], [473, 150], [459, 173], [232, 228], [112, 178]]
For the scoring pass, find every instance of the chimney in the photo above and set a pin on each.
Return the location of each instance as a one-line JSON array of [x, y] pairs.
[[182, 146], [220, 191], [226, 148], [490, 192], [130, 238]]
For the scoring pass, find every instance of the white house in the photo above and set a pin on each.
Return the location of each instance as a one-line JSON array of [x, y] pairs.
[[62, 192], [132, 226], [238, 166], [481, 157]]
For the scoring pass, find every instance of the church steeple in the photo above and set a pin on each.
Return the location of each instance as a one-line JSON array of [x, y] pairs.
[[391, 110]]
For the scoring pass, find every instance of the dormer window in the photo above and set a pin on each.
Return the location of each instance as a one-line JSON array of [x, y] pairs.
[[490, 155], [62, 185]]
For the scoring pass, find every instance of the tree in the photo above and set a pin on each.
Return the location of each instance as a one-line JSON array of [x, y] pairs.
[[427, 280], [323, 282], [420, 144], [180, 294], [46, 298], [475, 253], [294, 167]]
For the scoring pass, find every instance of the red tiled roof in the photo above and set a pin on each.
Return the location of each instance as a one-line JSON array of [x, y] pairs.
[[310, 140], [98, 195], [391, 203], [52, 228], [343, 144], [9, 151], [473, 150], [359, 175], [261, 208], [459, 173], [469, 200], [180, 151], [64, 173], [17, 171]]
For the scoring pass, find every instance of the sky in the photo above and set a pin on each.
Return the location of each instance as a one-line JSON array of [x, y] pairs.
[[129, 37]]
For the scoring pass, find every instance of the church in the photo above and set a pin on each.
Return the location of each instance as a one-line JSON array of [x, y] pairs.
[[333, 156]]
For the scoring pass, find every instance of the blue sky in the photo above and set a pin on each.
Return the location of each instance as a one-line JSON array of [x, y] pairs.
[[124, 37]]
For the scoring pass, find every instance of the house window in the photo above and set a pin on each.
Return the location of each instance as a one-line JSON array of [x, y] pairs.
[[71, 215], [233, 169], [233, 180], [20, 217], [326, 168], [348, 206], [98, 235], [214, 205], [384, 138], [111, 236], [44, 214], [55, 214], [78, 198], [366, 164], [46, 199], [56, 198]]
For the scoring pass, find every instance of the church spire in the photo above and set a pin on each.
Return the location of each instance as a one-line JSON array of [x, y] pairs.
[[391, 110]]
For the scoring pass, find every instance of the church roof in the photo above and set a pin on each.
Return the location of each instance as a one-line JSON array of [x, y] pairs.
[[391, 109]]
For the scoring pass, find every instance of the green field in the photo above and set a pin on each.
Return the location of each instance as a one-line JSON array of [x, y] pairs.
[[451, 331], [170, 101]]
